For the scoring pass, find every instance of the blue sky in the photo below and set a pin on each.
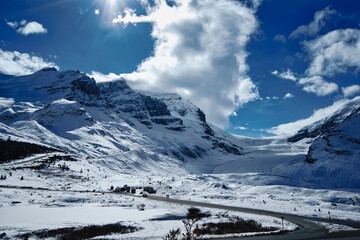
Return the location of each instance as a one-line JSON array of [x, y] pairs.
[[236, 60]]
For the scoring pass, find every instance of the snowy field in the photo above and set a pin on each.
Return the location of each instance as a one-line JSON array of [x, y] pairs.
[[29, 210]]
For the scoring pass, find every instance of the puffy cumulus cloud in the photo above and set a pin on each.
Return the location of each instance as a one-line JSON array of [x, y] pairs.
[[26, 28], [32, 28], [16, 63], [351, 90], [318, 86], [320, 19], [131, 17], [285, 75], [313, 84], [334, 52], [199, 52], [280, 38], [293, 127], [288, 95]]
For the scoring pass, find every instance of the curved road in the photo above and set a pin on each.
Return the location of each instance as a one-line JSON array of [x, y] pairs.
[[308, 229]]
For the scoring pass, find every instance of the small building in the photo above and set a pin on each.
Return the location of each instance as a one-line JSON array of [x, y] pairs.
[[149, 189]]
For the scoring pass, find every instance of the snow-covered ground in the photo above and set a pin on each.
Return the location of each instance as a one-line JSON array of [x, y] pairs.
[[29, 210]]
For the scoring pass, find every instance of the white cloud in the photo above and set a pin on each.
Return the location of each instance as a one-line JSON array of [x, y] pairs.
[[334, 52], [315, 26], [131, 17], [234, 114], [100, 77], [200, 53], [97, 11], [288, 95], [16, 63], [240, 128], [285, 75], [318, 86], [13, 25], [293, 127], [313, 84], [280, 38], [32, 28], [351, 90], [26, 28]]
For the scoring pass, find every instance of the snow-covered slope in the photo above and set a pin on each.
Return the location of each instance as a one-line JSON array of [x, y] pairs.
[[326, 153], [334, 153], [110, 123], [328, 123]]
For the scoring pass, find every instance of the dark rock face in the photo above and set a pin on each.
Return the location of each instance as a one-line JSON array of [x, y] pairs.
[[86, 85], [155, 107], [121, 98], [201, 115], [194, 152], [208, 130], [115, 86], [182, 107], [309, 158], [49, 69], [233, 149], [167, 121], [178, 129]]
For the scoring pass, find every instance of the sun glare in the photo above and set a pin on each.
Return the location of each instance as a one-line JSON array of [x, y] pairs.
[[108, 10], [111, 2], [114, 4]]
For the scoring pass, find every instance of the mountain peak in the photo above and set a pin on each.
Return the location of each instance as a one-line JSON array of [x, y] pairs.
[[47, 69], [110, 120]]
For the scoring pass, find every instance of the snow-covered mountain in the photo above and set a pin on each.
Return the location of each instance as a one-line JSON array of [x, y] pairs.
[[326, 153], [334, 152], [110, 123]]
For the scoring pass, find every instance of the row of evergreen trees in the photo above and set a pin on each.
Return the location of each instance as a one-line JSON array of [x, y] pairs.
[[11, 150]]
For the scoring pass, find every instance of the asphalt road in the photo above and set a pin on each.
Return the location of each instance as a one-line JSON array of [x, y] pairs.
[[307, 229]]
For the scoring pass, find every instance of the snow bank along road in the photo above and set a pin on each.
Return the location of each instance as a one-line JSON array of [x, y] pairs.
[[307, 228]]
